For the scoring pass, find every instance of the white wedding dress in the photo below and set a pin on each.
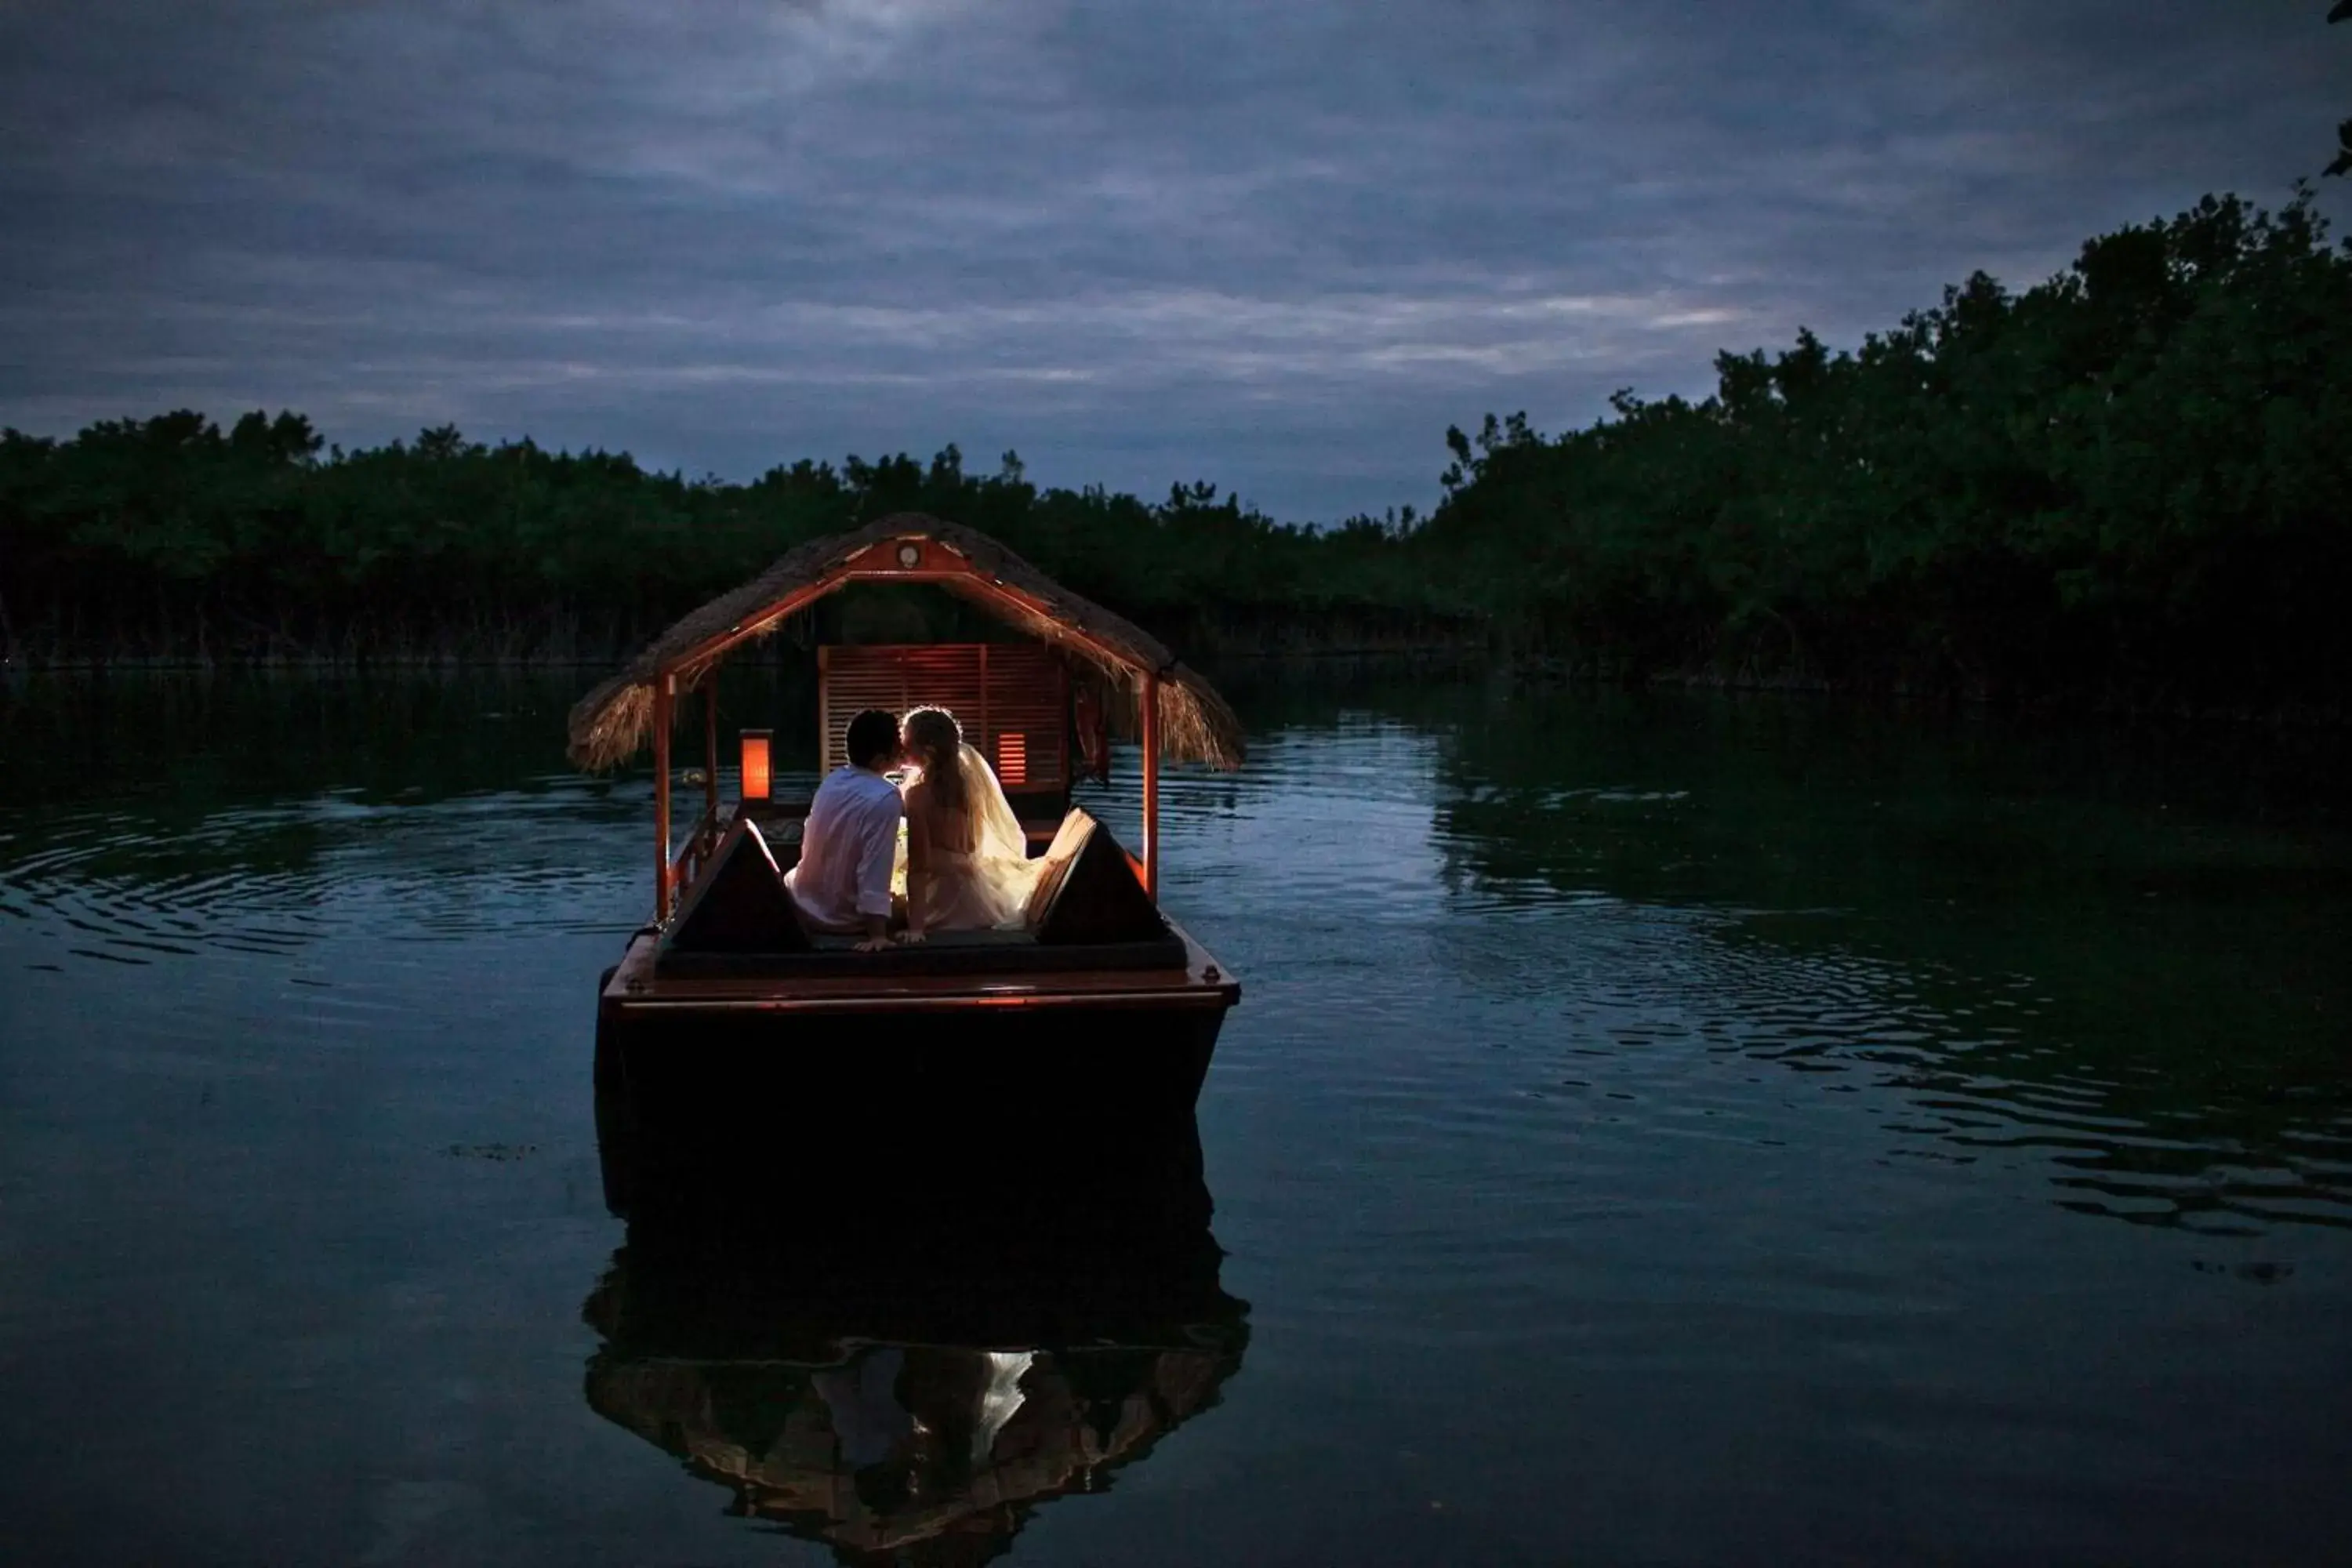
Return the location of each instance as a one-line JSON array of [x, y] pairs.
[[988, 885]]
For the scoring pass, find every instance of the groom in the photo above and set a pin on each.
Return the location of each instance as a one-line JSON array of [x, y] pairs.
[[850, 842]]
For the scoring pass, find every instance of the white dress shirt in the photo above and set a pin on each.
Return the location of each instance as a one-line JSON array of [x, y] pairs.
[[848, 846]]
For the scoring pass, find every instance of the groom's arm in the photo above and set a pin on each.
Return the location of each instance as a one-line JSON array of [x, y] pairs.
[[878, 852]]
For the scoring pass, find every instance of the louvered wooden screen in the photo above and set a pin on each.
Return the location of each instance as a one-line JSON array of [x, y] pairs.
[[1011, 699]]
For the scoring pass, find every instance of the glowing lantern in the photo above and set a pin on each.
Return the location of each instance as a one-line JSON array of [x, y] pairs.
[[755, 764]]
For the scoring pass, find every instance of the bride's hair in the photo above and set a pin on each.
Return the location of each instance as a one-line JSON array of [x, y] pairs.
[[937, 741]]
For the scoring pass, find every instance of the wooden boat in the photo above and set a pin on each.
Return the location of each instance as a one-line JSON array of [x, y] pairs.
[[1098, 1004]]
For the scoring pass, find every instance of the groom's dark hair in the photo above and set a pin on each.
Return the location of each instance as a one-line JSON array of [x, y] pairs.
[[873, 735]]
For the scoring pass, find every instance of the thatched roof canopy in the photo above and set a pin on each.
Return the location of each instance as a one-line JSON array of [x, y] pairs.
[[609, 724]]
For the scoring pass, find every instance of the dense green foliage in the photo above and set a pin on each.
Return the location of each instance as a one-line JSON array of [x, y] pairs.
[[2127, 483], [168, 538], [2130, 481]]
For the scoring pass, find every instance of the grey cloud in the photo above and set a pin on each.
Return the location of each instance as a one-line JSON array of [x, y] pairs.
[[1280, 246]]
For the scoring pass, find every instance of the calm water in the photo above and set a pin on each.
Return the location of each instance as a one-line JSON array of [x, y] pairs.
[[1653, 1131]]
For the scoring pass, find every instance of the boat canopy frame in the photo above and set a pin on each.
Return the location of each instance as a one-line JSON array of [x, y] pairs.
[[1172, 712]]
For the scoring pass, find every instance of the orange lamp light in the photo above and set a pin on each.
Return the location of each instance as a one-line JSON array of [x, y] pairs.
[[755, 764]]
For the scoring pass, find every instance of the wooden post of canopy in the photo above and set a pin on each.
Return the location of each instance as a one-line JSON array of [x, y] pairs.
[[662, 684], [710, 747], [1150, 728]]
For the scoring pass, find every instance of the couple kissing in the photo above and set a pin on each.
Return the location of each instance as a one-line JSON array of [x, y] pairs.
[[968, 866]]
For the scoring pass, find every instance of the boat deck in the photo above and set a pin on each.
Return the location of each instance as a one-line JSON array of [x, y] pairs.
[[953, 971]]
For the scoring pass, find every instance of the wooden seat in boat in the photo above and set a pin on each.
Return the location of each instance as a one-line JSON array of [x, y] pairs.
[[740, 903], [1088, 911], [1089, 891]]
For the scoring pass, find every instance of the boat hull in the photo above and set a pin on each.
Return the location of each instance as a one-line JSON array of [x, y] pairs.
[[697, 1075], [1123, 1058]]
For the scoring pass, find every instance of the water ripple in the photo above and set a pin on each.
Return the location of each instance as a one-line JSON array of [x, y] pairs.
[[1458, 956]]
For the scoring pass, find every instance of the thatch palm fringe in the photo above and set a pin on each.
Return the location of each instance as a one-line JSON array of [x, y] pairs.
[[612, 723]]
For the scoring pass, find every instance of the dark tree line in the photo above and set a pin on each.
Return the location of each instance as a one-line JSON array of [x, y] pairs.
[[2127, 483], [2130, 482], [169, 538]]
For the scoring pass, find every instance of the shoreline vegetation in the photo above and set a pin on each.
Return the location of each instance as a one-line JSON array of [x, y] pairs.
[[2128, 487]]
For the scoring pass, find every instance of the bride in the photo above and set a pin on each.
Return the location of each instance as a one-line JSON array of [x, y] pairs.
[[968, 866]]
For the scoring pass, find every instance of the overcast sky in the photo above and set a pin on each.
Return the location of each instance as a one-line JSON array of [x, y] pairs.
[[1277, 244]]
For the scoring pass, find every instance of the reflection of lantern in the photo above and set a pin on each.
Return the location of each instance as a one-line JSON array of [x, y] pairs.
[[755, 764]]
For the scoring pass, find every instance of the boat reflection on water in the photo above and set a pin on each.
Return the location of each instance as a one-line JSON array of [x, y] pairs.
[[904, 1359]]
